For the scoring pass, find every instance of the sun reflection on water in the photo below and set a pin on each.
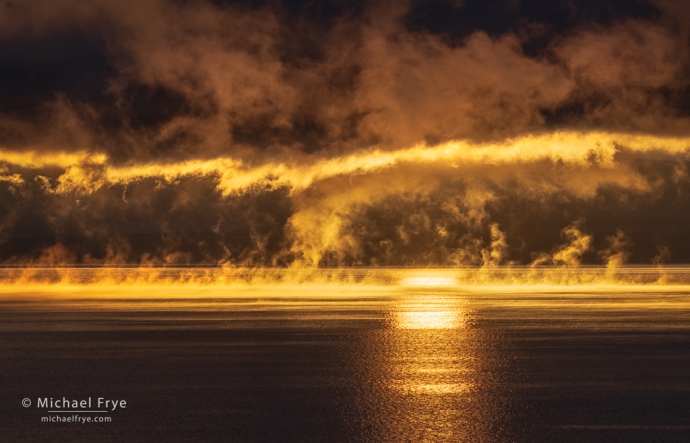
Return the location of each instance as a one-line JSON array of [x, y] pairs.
[[430, 369], [427, 320], [430, 311], [426, 361]]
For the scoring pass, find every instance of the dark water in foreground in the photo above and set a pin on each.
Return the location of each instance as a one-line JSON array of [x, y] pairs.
[[406, 365]]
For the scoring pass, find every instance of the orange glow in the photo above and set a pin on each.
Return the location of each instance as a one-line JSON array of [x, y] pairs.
[[76, 281], [429, 281], [85, 172], [427, 320]]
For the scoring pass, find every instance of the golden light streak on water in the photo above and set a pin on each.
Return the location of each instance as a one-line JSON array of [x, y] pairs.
[[427, 320], [429, 311], [429, 362]]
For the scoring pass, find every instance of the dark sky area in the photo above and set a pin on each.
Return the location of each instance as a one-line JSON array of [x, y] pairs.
[[344, 133]]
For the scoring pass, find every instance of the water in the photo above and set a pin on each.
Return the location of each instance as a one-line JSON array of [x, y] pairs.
[[351, 364]]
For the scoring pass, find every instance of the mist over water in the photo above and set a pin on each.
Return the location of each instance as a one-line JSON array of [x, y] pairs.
[[422, 360], [27, 279]]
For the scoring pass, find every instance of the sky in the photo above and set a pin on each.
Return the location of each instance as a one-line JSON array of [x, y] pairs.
[[345, 133]]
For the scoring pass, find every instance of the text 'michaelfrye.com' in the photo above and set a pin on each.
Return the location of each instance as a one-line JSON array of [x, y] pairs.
[[66, 410]]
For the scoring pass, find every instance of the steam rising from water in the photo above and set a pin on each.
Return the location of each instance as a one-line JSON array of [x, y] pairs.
[[560, 199], [559, 279]]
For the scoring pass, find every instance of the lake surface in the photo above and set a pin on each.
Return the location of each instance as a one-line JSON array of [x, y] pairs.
[[411, 363]]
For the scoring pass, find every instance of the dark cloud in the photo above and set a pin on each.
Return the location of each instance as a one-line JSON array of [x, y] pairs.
[[537, 21], [145, 80]]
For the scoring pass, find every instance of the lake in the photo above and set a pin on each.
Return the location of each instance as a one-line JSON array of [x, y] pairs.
[[417, 361]]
